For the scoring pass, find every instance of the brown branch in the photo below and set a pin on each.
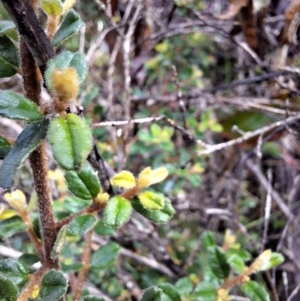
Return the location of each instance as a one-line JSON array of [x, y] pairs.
[[85, 261], [90, 209], [24, 16], [34, 283], [29, 27]]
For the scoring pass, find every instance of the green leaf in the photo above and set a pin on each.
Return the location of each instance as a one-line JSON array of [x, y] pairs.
[[4, 147], [93, 298], [9, 57], [244, 255], [71, 141], [28, 259], [71, 268], [81, 224], [70, 24], [208, 239], [60, 240], [16, 106], [105, 256], [158, 216], [151, 200], [206, 291], [276, 259], [104, 230], [117, 211], [170, 292], [8, 291], [255, 292], [52, 7], [152, 294], [124, 179], [5, 26], [184, 286], [11, 226], [85, 183], [14, 270], [26, 142], [53, 286], [63, 61], [236, 263], [218, 262]]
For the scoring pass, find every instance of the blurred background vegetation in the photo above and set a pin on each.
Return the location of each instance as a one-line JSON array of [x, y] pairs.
[[215, 69]]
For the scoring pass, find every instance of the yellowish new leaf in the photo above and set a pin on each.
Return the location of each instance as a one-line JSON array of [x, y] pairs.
[[152, 200], [124, 179], [158, 175], [16, 200]]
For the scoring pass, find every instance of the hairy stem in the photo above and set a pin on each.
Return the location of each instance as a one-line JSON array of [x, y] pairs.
[[85, 261]]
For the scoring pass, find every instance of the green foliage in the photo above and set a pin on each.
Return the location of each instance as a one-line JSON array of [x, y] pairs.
[[6, 26], [158, 216], [52, 7], [214, 265], [218, 262], [105, 256], [8, 291], [206, 291], [61, 237], [255, 292], [9, 58], [84, 183], [4, 147], [152, 201], [16, 106], [26, 142], [117, 211], [81, 224], [53, 286], [71, 141], [70, 24], [14, 270]]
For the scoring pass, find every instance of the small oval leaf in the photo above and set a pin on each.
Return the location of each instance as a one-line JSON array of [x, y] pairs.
[[206, 291], [85, 183], [170, 292], [71, 141], [152, 200], [82, 140], [4, 147], [81, 224], [9, 57], [124, 179], [255, 292], [16, 106], [11, 226], [218, 262], [53, 286], [8, 291], [14, 270], [70, 24], [158, 216], [152, 294], [105, 256], [52, 7], [158, 175], [117, 211], [60, 240], [60, 140], [6, 26], [27, 142]]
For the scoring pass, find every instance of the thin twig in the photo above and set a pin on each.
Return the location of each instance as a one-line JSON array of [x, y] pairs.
[[249, 135], [85, 260]]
